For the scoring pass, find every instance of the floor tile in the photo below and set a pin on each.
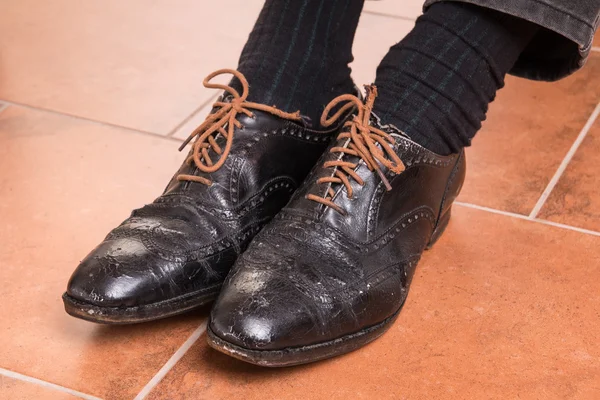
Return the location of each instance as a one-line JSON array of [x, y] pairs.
[[195, 120], [14, 389], [576, 198], [530, 128], [133, 63], [405, 8], [65, 184], [501, 308]]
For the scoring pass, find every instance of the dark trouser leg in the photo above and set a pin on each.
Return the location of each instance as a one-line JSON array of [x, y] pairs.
[[436, 84], [562, 44], [298, 53]]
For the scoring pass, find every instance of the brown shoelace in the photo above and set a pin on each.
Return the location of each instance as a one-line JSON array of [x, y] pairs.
[[223, 122], [362, 140]]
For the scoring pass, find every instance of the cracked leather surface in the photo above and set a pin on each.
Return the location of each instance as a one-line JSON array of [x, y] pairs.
[[314, 275], [184, 243]]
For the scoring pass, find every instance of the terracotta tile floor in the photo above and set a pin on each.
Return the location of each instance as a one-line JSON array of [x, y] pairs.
[[576, 198], [500, 308], [94, 103], [15, 389]]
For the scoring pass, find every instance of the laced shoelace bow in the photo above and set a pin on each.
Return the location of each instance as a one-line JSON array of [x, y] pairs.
[[223, 122], [362, 142]]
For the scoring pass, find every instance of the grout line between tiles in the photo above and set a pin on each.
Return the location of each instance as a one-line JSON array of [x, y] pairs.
[[526, 218], [564, 226], [39, 382], [386, 15], [172, 361], [3, 106], [491, 210], [192, 115], [563, 166], [95, 121], [596, 49]]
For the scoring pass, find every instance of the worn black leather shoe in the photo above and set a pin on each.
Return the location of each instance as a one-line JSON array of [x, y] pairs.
[[173, 255], [331, 272]]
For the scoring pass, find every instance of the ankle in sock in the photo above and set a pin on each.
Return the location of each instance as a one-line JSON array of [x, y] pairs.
[[297, 55], [437, 83]]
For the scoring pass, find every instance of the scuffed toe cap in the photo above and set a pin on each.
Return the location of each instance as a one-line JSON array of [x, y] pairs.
[[108, 279], [145, 261], [253, 315], [261, 329], [248, 331], [284, 294]]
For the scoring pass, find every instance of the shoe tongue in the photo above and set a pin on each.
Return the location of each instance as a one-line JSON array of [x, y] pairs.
[[221, 141], [376, 122], [225, 97]]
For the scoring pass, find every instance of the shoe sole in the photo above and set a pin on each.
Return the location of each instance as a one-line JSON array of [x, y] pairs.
[[137, 314], [306, 354]]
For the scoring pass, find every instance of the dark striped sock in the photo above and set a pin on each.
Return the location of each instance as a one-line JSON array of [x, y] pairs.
[[437, 83], [297, 55]]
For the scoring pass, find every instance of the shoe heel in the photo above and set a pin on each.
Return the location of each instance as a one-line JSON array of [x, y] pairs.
[[439, 229]]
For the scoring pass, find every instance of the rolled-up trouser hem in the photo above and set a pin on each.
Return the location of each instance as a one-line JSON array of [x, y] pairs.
[[563, 44]]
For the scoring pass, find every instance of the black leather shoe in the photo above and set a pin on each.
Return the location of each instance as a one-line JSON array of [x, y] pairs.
[[173, 255], [331, 272]]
